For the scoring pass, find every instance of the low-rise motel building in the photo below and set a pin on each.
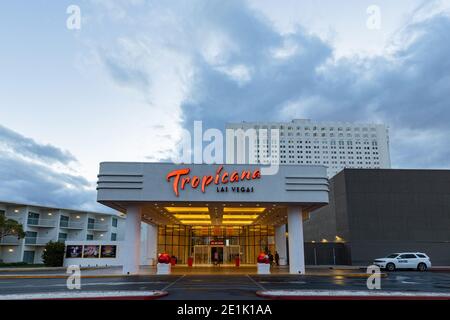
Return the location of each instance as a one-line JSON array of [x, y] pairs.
[[201, 211], [43, 224]]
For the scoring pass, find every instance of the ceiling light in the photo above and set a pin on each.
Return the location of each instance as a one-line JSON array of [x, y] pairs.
[[195, 221], [237, 222], [192, 216], [240, 216], [186, 209], [259, 210]]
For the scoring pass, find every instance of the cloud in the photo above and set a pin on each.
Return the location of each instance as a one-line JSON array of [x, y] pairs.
[[41, 174], [222, 62], [27, 147]]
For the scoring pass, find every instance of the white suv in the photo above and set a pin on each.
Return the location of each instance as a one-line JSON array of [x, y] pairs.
[[405, 260]]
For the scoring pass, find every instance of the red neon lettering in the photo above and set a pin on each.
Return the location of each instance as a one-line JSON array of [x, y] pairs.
[[177, 174], [221, 177], [195, 182], [234, 177], [225, 178], [206, 181]]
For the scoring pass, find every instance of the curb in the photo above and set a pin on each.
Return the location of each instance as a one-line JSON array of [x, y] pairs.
[[124, 298], [63, 276], [261, 294], [7, 270], [133, 296]]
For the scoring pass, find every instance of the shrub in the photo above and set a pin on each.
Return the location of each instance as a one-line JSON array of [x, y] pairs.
[[53, 255]]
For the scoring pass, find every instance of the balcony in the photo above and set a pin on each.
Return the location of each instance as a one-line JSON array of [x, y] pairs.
[[98, 226], [71, 225], [10, 241], [41, 223], [37, 241]]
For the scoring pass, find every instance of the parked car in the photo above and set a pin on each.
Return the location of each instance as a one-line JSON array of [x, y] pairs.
[[404, 260]]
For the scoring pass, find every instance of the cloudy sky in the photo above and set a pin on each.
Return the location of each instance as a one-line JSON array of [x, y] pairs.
[[137, 72]]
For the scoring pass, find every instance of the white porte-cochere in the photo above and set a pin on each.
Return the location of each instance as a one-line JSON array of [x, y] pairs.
[[153, 192]]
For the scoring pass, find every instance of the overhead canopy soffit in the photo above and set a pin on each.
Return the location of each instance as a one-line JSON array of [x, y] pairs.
[[216, 214]]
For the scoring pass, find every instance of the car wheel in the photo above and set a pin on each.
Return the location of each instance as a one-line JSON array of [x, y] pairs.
[[422, 267], [390, 267]]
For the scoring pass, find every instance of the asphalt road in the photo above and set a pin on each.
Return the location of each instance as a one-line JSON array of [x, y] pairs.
[[226, 287]]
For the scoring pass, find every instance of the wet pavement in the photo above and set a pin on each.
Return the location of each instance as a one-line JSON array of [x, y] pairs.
[[238, 286]]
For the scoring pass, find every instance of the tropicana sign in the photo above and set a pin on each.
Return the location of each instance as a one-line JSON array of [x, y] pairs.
[[181, 178]]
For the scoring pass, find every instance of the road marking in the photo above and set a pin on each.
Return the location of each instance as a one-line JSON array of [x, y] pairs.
[[171, 284], [258, 284]]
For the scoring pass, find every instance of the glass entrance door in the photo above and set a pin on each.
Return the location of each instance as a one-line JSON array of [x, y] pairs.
[[217, 255], [230, 254], [205, 254], [202, 254]]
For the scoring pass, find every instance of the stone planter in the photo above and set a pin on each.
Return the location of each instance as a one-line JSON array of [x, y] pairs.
[[263, 268], [163, 268]]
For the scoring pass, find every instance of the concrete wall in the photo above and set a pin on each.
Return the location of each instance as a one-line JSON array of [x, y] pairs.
[[399, 210], [383, 211], [9, 254], [329, 221]]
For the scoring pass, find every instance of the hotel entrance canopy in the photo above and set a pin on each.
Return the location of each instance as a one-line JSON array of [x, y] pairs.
[[216, 195]]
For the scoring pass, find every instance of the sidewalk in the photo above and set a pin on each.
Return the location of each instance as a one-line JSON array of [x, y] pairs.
[[5, 270], [108, 272]]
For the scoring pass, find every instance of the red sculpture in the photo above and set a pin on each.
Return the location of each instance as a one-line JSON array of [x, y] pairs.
[[263, 258], [164, 258]]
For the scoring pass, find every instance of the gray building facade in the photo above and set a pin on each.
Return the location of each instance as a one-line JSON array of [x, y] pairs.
[[375, 212]]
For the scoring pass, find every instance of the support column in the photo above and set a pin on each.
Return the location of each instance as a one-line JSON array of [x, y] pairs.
[[295, 238], [152, 241], [131, 248], [280, 243]]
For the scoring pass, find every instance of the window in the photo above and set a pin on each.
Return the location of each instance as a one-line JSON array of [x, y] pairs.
[[62, 237], [64, 221], [33, 218], [421, 255], [90, 237], [30, 237], [113, 236], [91, 223], [408, 256], [114, 222]]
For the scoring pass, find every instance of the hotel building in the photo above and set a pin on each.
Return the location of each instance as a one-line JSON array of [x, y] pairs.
[[336, 145], [43, 224]]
